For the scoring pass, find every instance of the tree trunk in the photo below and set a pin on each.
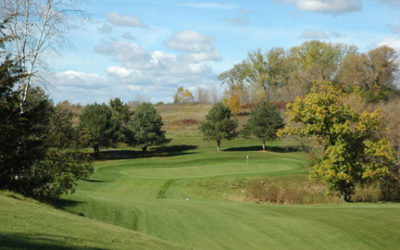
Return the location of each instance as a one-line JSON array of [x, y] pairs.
[[346, 197], [218, 145], [346, 194], [263, 145], [144, 150]]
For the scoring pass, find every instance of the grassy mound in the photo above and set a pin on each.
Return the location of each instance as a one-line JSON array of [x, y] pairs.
[[26, 224]]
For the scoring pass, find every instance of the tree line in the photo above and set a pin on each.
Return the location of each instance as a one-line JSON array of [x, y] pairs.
[[263, 124], [349, 148], [279, 74], [106, 125]]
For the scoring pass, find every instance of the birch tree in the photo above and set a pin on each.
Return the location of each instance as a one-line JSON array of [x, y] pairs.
[[37, 27]]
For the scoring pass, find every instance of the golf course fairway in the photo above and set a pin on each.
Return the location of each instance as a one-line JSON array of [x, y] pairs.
[[150, 195]]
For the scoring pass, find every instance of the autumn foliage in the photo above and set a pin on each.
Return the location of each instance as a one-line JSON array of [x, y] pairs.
[[355, 149], [233, 103]]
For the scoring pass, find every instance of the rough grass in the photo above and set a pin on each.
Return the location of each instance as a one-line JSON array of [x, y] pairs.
[[292, 189], [183, 119], [166, 196]]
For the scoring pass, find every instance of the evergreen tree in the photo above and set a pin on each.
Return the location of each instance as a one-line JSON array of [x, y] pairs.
[[11, 149], [263, 123], [64, 162], [144, 128], [218, 125], [38, 153], [97, 120], [121, 115]]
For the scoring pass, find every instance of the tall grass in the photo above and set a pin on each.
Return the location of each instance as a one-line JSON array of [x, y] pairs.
[[288, 190], [295, 189]]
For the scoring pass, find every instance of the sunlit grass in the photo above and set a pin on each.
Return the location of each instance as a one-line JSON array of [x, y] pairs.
[[191, 197]]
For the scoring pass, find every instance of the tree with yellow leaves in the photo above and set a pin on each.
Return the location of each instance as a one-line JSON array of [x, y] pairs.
[[183, 96], [355, 149], [233, 103]]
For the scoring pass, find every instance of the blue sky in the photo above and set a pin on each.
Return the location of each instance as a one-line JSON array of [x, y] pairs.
[[145, 50]]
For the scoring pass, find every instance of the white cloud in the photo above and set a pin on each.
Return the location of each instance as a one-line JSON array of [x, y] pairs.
[[202, 56], [129, 20], [197, 46], [190, 41], [119, 71], [334, 7], [159, 72], [314, 34], [81, 87], [391, 42], [125, 52], [79, 80], [130, 70]]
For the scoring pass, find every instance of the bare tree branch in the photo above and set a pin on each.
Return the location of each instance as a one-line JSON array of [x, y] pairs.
[[37, 26]]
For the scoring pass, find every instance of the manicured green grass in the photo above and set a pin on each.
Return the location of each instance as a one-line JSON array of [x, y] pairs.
[[26, 224], [154, 195]]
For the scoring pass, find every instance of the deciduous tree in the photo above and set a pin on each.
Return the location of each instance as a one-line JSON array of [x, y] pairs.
[[355, 149], [372, 74], [36, 27], [183, 96], [267, 71], [233, 103]]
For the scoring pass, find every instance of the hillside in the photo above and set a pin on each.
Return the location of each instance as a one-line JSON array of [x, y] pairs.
[[26, 224]]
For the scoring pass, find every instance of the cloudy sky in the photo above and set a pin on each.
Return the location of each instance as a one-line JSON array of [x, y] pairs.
[[145, 50]]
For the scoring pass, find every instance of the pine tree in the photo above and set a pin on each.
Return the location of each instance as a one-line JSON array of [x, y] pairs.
[[97, 120], [144, 128], [218, 125], [264, 122]]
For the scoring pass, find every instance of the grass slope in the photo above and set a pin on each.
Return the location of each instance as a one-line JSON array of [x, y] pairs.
[[153, 195], [26, 224]]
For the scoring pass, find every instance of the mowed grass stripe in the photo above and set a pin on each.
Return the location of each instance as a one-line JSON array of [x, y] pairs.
[[31, 225], [148, 195]]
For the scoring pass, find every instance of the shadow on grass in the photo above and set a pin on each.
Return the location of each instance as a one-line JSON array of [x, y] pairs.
[[280, 149], [92, 180], [163, 151], [64, 203], [175, 150], [38, 241], [116, 154]]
